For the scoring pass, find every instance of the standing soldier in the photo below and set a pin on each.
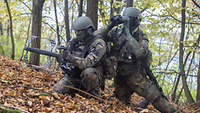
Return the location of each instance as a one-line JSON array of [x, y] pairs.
[[84, 58], [130, 44]]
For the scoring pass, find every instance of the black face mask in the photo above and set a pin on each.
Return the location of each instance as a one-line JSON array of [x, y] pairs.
[[85, 35], [81, 35], [134, 21]]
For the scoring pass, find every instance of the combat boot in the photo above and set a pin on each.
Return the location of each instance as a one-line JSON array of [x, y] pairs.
[[143, 104], [164, 106]]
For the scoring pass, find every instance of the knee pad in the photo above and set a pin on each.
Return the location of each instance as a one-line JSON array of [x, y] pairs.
[[152, 94], [60, 86], [90, 78]]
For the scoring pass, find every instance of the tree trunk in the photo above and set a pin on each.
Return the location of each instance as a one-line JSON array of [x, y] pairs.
[[198, 83], [11, 31], [57, 27], [111, 9], [80, 9], [129, 3], [182, 71], [92, 6], [1, 29], [36, 29], [67, 21], [8, 34]]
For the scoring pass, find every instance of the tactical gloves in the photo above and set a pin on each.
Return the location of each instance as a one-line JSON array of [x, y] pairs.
[[67, 56], [144, 103], [115, 20]]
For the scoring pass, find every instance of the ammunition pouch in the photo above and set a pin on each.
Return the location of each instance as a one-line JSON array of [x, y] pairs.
[[110, 67]]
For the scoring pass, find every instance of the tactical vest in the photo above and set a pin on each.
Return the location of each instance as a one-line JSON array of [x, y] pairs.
[[81, 49], [78, 50], [121, 50], [107, 64]]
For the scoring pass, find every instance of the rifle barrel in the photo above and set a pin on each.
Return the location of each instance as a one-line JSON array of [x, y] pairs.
[[44, 52]]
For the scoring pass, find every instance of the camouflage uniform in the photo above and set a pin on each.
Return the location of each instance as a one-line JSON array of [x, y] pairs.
[[88, 67], [90, 76], [128, 49]]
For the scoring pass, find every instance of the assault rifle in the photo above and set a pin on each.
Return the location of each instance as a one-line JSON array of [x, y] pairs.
[[151, 76], [67, 67]]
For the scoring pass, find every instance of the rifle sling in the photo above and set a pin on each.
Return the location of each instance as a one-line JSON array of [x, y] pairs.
[[93, 38], [74, 41]]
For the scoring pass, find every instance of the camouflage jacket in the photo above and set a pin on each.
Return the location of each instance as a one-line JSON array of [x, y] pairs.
[[126, 48], [92, 56]]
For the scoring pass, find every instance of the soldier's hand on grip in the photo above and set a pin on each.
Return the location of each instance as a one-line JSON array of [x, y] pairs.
[[62, 47], [66, 55]]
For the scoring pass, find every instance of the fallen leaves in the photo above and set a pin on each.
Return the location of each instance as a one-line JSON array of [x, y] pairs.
[[27, 90]]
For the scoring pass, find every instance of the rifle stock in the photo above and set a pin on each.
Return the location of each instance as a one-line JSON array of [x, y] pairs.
[[44, 52]]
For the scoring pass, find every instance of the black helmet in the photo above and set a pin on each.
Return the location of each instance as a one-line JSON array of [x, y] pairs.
[[82, 23]]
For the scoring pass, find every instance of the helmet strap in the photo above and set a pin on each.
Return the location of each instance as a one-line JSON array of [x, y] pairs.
[[89, 31], [136, 29]]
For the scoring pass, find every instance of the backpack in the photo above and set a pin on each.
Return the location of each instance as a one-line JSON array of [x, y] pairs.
[[109, 64], [110, 67]]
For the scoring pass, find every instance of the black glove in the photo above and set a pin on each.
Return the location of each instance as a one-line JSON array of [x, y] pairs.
[[115, 20], [66, 55], [144, 103]]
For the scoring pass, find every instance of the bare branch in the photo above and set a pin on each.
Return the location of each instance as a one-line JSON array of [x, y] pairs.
[[196, 4], [14, 108], [174, 17]]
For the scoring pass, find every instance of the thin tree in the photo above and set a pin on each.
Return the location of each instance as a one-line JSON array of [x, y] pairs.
[[198, 83], [1, 28], [193, 50], [111, 9], [36, 29], [57, 27], [80, 8], [182, 71], [67, 21], [1, 33], [129, 3], [11, 31]]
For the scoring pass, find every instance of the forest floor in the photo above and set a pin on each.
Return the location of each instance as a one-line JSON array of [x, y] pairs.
[[23, 89]]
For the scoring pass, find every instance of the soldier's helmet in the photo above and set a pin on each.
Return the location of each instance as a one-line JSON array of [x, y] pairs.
[[134, 14], [82, 23]]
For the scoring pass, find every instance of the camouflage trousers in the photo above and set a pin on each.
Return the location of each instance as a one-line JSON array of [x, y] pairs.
[[90, 80], [126, 85]]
